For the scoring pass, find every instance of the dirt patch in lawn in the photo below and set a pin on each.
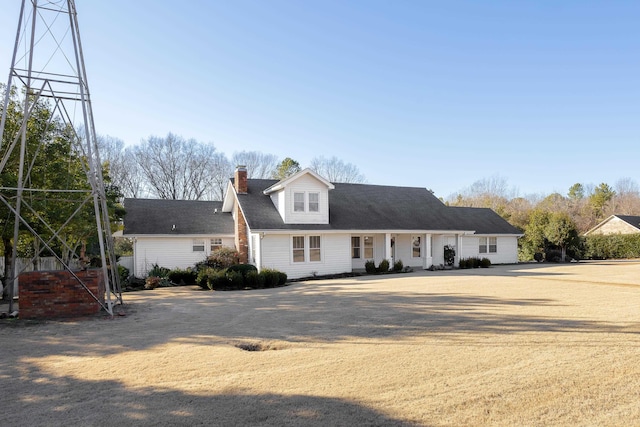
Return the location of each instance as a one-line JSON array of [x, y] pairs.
[[508, 345]]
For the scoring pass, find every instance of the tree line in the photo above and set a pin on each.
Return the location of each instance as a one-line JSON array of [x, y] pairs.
[[554, 221], [172, 167]]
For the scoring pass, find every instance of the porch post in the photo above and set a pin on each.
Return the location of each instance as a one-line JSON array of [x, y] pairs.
[[388, 251], [428, 255]]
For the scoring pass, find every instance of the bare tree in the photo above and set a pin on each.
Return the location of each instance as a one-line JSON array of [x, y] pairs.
[[175, 168], [335, 170], [259, 165], [122, 166], [221, 171]]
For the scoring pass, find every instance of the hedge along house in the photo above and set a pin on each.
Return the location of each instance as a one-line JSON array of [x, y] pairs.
[[175, 233], [305, 225]]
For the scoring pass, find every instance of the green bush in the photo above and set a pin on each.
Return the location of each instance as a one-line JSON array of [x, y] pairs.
[[183, 277], [282, 278], [613, 246], [242, 268], [463, 263], [235, 280], [383, 267], [398, 266], [254, 280], [485, 263], [271, 277], [123, 273], [370, 266], [202, 279], [157, 271], [217, 280]]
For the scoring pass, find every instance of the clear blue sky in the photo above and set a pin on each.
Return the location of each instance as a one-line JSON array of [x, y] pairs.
[[420, 93]]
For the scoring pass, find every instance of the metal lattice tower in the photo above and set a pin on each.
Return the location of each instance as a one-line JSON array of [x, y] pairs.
[[48, 67]]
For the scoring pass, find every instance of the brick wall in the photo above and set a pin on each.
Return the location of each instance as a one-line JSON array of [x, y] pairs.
[[57, 294]]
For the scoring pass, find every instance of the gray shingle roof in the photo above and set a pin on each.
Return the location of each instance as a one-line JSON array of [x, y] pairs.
[[375, 207], [631, 220], [157, 216]]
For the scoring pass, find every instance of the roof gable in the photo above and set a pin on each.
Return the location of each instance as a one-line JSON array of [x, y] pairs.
[[280, 185]]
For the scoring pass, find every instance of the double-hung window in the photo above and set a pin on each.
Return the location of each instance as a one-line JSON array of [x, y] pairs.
[[314, 249], [368, 247], [298, 202], [355, 247], [314, 202], [298, 248], [198, 245], [488, 245], [306, 249], [216, 243]]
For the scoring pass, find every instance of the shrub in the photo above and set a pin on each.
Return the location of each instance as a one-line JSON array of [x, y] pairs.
[[370, 266], [398, 266], [223, 257], [182, 277], [282, 278], [217, 280], [254, 280], [463, 263], [553, 255], [538, 256], [383, 267], [152, 282], [235, 280], [242, 268], [157, 271], [123, 273], [202, 279], [485, 263], [271, 277], [615, 246]]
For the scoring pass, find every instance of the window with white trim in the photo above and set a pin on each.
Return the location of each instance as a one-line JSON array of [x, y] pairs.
[[198, 245], [416, 247], [368, 247], [314, 249], [298, 248], [298, 202], [488, 245], [355, 247], [314, 202], [216, 243]]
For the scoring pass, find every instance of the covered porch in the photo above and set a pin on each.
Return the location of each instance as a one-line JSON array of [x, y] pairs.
[[416, 249]]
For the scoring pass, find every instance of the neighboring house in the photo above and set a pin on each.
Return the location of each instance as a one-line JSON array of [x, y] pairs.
[[174, 233], [617, 224], [305, 225]]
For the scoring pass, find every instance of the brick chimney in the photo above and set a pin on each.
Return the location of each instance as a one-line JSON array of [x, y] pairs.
[[240, 179]]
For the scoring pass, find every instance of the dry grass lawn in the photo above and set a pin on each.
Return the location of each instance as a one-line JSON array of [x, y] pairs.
[[510, 345]]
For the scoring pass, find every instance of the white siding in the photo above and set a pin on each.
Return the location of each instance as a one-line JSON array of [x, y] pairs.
[[306, 184], [335, 250], [507, 249], [170, 252]]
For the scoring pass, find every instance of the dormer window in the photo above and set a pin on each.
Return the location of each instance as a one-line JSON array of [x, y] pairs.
[[314, 202], [298, 202]]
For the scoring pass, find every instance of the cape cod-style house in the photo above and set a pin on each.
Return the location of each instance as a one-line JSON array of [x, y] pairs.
[[305, 225]]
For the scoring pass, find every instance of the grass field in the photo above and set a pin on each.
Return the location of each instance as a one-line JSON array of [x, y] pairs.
[[510, 345]]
